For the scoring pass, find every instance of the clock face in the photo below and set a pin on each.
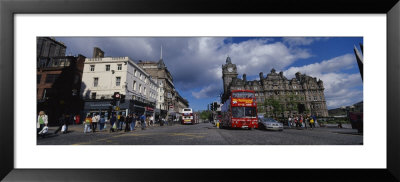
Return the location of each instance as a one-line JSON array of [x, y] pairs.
[[230, 69]]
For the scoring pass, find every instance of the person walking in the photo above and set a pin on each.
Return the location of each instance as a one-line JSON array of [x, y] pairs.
[[147, 120], [312, 123], [133, 121], [151, 120], [88, 122], [143, 121], [63, 123], [121, 121], [113, 119], [95, 120], [315, 120], [102, 121], [42, 121], [301, 121], [290, 121], [128, 121], [306, 119]]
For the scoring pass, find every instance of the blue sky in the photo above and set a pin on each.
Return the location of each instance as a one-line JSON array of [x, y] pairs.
[[195, 62]]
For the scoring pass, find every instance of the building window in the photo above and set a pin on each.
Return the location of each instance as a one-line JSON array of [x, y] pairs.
[[144, 90], [118, 81], [39, 77], [140, 88], [95, 82], [119, 66], [134, 85], [107, 67], [140, 76], [135, 72], [51, 78], [91, 67], [93, 95]]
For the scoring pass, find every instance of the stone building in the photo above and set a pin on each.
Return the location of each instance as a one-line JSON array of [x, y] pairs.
[[58, 79], [48, 47], [103, 76], [302, 94], [173, 103]]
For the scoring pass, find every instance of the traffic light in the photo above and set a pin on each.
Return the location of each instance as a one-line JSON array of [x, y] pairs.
[[215, 106], [211, 107]]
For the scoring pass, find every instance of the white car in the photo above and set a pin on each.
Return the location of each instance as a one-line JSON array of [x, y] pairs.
[[269, 124]]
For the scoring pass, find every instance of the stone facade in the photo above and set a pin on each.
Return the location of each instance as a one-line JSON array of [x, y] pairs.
[[173, 102], [104, 76], [302, 91]]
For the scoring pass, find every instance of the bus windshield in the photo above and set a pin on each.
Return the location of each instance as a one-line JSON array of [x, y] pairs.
[[243, 112], [243, 95]]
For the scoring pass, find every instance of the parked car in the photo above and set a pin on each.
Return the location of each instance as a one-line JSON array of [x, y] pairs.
[[269, 124]]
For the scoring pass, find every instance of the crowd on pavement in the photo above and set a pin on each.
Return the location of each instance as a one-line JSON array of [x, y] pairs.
[[94, 122], [302, 121]]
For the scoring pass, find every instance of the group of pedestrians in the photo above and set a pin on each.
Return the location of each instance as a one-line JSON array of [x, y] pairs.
[[118, 122], [302, 121], [62, 122], [93, 121]]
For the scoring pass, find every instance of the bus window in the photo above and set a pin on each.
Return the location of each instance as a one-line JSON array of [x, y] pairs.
[[250, 111], [237, 112], [241, 112]]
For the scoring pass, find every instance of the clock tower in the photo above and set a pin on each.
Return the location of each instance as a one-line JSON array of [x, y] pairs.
[[228, 72]]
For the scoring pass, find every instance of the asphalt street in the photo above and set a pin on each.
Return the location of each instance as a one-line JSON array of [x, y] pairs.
[[204, 134]]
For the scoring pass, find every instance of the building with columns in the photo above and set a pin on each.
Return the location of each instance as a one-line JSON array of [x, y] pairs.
[[300, 95]]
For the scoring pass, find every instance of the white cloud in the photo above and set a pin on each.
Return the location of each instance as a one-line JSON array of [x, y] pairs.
[[209, 91], [300, 41], [340, 88]]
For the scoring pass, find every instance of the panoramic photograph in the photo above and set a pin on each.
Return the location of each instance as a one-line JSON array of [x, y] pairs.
[[199, 91]]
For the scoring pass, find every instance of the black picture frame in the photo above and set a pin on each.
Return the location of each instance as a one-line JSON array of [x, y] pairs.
[[8, 8]]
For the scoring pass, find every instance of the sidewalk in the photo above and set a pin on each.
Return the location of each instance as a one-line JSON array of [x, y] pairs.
[[80, 128]]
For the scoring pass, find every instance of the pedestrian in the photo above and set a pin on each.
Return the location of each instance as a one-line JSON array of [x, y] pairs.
[[311, 123], [42, 121], [95, 120], [121, 121], [296, 121], [306, 118], [301, 121], [88, 123], [113, 119], [289, 121], [315, 120], [143, 121], [102, 121], [127, 123], [63, 123], [151, 120], [77, 119], [133, 121], [147, 120]]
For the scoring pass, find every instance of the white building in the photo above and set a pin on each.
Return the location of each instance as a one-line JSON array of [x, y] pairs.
[[102, 77], [160, 99]]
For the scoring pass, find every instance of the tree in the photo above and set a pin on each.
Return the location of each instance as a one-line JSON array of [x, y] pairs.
[[276, 106], [204, 115]]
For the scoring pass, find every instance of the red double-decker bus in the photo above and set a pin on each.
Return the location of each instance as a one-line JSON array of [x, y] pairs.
[[240, 110]]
